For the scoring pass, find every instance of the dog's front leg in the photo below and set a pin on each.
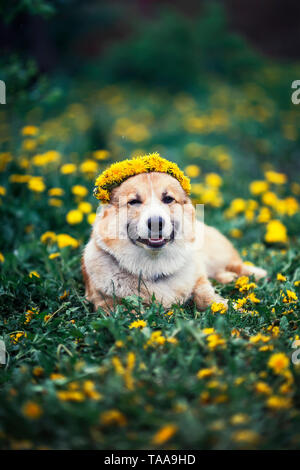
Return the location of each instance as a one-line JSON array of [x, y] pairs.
[[204, 294]]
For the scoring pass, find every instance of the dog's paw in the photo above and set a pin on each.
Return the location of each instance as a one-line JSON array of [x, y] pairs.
[[225, 277], [257, 272]]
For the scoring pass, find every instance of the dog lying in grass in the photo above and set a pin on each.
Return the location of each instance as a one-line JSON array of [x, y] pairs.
[[147, 241]]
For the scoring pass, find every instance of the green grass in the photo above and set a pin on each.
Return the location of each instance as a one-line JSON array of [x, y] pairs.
[[152, 385]]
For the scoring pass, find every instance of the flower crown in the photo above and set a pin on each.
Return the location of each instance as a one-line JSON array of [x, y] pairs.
[[120, 171]]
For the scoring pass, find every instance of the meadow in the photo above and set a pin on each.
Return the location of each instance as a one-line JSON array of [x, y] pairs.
[[144, 377]]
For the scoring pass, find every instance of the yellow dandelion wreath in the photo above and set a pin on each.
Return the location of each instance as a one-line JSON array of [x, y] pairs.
[[120, 171]]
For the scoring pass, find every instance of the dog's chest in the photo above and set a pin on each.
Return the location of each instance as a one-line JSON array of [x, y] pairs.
[[108, 277], [176, 288]]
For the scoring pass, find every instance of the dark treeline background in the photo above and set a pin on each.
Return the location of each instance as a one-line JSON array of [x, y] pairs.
[[80, 31]]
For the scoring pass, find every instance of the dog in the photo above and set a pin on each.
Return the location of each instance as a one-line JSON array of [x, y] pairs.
[[147, 241]]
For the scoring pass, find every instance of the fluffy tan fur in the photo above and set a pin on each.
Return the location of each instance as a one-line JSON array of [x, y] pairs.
[[117, 264]]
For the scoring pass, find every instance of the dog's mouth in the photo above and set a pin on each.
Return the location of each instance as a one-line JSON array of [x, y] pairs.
[[152, 242]]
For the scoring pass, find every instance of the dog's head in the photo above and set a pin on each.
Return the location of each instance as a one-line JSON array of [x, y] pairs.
[[150, 217]]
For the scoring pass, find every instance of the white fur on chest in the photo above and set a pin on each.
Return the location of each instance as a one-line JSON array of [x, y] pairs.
[[170, 278]]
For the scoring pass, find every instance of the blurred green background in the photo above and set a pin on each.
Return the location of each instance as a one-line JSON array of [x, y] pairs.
[[58, 52]]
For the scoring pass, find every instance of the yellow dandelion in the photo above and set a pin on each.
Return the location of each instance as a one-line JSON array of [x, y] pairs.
[[91, 218], [246, 436], [89, 166], [48, 237], [54, 202], [164, 434], [54, 255], [32, 410], [236, 233], [29, 144], [85, 207], [258, 187], [264, 215], [68, 168], [90, 391], [208, 331], [289, 297], [239, 304], [213, 179], [276, 402], [113, 417], [138, 324], [101, 154], [276, 232], [71, 395], [34, 274], [19, 178], [252, 298], [192, 171], [239, 418], [15, 337], [79, 190], [215, 340], [57, 376], [64, 240], [278, 362], [74, 217], [120, 171], [36, 184], [218, 307], [241, 282], [275, 177], [156, 339], [29, 130], [38, 371], [204, 373], [56, 192]]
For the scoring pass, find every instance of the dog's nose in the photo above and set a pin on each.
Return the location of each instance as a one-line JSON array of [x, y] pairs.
[[155, 225]]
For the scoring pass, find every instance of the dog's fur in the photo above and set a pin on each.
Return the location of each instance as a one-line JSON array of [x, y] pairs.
[[116, 263]]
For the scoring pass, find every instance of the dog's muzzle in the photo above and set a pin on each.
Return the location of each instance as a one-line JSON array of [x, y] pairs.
[[155, 239]]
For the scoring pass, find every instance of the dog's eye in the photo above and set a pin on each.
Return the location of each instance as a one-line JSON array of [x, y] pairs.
[[167, 199], [134, 201]]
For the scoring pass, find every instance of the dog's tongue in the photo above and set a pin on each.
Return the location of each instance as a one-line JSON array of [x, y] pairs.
[[156, 242]]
